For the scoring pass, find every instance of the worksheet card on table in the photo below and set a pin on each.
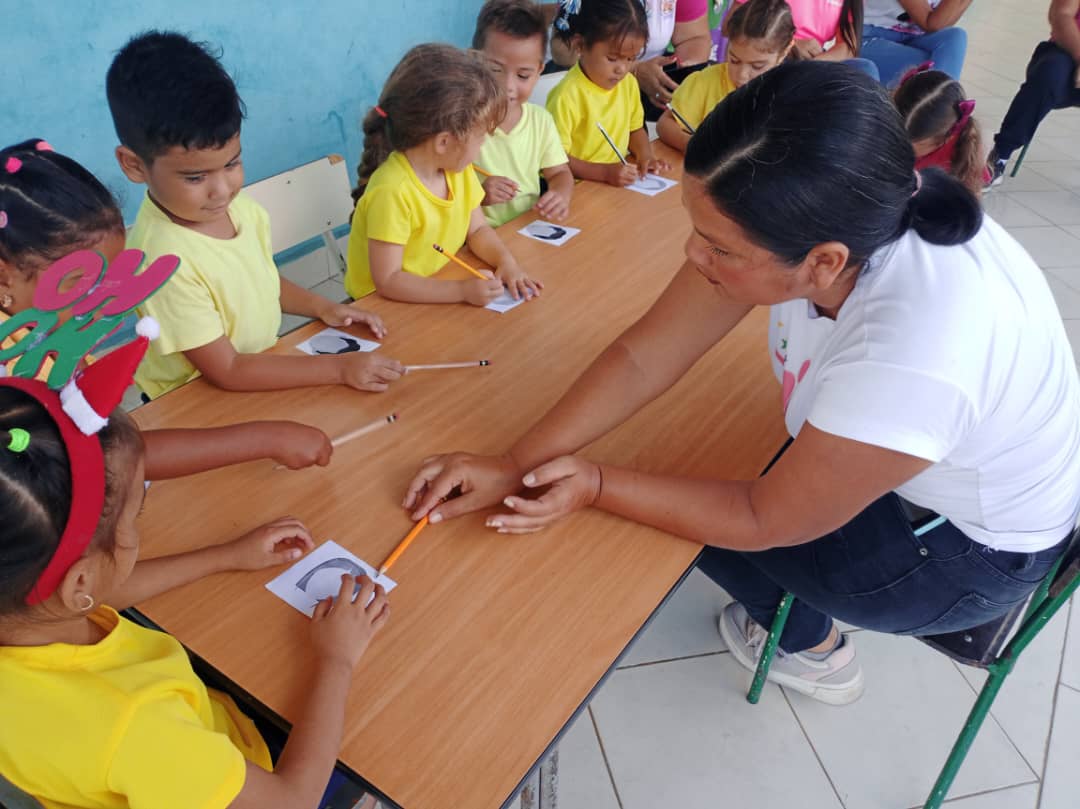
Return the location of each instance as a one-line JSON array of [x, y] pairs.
[[318, 576], [334, 341]]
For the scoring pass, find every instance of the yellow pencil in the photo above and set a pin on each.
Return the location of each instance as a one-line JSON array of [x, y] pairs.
[[405, 543], [461, 263], [479, 170]]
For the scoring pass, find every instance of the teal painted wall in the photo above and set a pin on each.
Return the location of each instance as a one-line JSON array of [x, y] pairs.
[[306, 69]]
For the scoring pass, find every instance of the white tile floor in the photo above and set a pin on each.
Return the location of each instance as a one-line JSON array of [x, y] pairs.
[[671, 727]]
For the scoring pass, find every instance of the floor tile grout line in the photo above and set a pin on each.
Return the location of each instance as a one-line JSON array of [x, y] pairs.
[[980, 794], [603, 755], [1070, 687], [1054, 704], [813, 749], [631, 666], [996, 721]]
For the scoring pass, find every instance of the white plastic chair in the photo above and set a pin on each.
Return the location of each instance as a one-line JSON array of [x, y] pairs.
[[307, 201]]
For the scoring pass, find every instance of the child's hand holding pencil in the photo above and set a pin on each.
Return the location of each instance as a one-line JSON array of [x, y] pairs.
[[498, 190]]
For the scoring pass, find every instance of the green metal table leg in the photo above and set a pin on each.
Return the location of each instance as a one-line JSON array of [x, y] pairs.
[[769, 650]]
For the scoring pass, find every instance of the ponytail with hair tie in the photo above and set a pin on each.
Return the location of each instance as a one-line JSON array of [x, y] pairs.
[[567, 9]]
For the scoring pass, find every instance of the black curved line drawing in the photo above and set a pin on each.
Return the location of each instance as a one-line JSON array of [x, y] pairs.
[[329, 341], [555, 232], [337, 563]]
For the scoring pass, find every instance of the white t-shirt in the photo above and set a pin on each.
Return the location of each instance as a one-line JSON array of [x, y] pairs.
[[661, 15], [886, 14], [957, 355]]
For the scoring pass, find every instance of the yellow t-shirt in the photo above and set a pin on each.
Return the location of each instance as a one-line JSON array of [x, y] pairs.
[[701, 91], [520, 154], [577, 105], [120, 724], [225, 287], [397, 208]]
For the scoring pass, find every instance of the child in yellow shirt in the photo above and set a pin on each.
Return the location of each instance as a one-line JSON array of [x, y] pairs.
[[51, 206], [99, 712], [760, 36], [177, 115], [600, 91], [512, 36], [417, 186]]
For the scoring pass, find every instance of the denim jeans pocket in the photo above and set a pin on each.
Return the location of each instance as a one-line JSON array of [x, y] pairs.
[[966, 612]]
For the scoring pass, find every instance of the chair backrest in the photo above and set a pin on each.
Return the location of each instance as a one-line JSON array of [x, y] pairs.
[[543, 87], [307, 201], [11, 797]]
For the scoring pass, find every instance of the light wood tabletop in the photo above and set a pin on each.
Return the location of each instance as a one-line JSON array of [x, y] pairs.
[[494, 642]]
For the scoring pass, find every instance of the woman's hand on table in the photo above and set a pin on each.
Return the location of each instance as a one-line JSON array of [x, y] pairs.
[[572, 484], [284, 540], [654, 82], [483, 481]]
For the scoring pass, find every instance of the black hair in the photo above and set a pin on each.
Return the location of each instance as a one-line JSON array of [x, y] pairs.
[[602, 21], [767, 21], [35, 491], [165, 90], [930, 104], [50, 205], [851, 25], [520, 19], [812, 152]]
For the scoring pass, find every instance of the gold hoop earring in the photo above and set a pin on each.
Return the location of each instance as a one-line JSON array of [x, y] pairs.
[[89, 602]]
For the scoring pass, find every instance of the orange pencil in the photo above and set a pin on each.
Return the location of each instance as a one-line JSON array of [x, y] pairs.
[[461, 263], [405, 543]]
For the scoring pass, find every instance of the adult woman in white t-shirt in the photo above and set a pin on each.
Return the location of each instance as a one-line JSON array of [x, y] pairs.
[[925, 374]]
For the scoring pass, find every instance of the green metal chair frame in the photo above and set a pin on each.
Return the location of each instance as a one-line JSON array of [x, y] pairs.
[[1054, 591], [1019, 160]]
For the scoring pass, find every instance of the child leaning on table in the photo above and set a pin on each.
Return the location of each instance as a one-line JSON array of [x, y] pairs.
[[51, 206], [416, 185], [512, 36], [97, 711], [177, 115]]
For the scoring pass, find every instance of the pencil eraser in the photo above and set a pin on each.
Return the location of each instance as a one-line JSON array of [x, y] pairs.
[[485, 362]]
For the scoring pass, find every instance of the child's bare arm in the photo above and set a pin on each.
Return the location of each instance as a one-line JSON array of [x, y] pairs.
[[284, 540], [391, 281], [488, 247], [340, 635], [555, 202], [643, 153], [299, 301], [223, 367], [611, 173], [671, 132], [179, 452]]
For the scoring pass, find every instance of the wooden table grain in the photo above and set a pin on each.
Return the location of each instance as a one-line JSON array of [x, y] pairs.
[[494, 642]]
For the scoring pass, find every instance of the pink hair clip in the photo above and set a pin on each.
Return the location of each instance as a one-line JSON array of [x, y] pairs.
[[3, 219], [12, 165], [43, 146], [915, 71], [380, 112]]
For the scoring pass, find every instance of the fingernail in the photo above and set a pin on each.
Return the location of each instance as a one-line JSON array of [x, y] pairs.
[[434, 518], [294, 554], [529, 479], [508, 502], [493, 523]]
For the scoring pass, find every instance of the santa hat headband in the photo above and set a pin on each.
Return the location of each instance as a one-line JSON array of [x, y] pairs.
[[80, 411]]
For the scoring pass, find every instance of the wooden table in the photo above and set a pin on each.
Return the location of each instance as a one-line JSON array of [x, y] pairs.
[[495, 643]]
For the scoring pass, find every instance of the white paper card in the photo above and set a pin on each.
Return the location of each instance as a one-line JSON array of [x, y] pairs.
[[318, 576], [505, 302], [651, 184], [333, 341], [549, 233]]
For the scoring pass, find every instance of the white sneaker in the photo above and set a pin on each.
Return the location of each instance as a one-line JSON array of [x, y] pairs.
[[836, 680]]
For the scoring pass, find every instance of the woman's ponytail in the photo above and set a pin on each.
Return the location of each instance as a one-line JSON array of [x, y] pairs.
[[943, 210]]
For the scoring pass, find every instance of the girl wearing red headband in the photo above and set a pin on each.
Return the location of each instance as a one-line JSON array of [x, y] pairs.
[[97, 711]]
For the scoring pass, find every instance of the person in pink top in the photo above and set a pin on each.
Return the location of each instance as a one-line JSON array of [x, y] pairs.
[[1052, 83]]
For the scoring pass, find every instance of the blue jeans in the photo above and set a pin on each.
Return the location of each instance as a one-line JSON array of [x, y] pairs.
[[894, 52], [866, 66], [1047, 86], [876, 573]]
